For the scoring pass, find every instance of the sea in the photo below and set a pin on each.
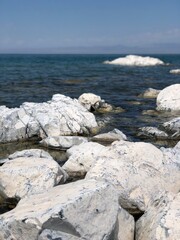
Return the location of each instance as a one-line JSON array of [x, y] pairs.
[[36, 77]]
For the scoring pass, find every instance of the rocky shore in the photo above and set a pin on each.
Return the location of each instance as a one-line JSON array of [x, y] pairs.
[[109, 188]]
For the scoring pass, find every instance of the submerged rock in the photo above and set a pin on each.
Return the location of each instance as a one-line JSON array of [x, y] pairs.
[[175, 71], [150, 93], [79, 210], [58, 117], [173, 127], [29, 175], [161, 220], [169, 99], [134, 60]]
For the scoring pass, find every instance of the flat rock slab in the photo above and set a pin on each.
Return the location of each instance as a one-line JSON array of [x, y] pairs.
[[111, 136], [29, 175], [83, 210]]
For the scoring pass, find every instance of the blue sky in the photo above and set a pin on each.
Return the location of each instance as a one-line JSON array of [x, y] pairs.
[[48, 24]]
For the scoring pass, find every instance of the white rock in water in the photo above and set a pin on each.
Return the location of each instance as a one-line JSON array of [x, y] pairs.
[[29, 175], [134, 60], [58, 117], [175, 71], [80, 210], [169, 98]]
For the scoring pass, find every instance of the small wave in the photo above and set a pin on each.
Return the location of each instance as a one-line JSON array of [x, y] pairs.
[[134, 60], [175, 71]]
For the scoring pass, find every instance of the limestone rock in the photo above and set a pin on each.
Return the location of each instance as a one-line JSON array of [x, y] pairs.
[[169, 99], [60, 116], [150, 93], [82, 209], [161, 220], [110, 136], [81, 158], [63, 142], [29, 175], [137, 170]]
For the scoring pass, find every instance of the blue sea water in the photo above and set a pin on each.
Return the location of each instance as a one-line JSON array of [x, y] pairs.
[[36, 78]]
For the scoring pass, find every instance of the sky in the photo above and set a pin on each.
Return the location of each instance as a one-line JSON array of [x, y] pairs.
[[60, 25]]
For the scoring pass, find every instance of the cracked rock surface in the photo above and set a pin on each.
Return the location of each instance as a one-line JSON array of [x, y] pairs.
[[79, 210], [60, 116]]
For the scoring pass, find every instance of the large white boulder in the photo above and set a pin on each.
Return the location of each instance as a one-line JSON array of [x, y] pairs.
[[58, 117], [161, 220], [29, 175], [137, 170], [134, 60], [169, 99], [79, 210]]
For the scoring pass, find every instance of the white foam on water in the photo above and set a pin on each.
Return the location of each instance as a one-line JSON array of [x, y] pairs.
[[175, 71]]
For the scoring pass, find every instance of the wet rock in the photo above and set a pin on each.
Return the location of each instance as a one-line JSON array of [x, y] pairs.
[[161, 220], [152, 132], [63, 142], [94, 102], [173, 127], [137, 170], [111, 136], [150, 93], [29, 175], [175, 71], [76, 210], [169, 99], [81, 158], [58, 117]]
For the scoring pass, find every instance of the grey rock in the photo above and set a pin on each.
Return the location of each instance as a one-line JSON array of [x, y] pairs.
[[111, 136], [152, 132], [150, 93]]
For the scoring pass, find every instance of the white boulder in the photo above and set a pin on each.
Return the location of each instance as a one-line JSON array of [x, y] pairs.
[[79, 210], [134, 60], [29, 175], [137, 170], [161, 220], [169, 99], [111, 136], [81, 158]]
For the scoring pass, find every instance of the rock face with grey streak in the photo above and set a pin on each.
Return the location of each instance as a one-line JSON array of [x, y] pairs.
[[24, 176], [161, 220], [137, 170], [60, 116], [152, 132], [169, 99], [63, 142], [79, 210]]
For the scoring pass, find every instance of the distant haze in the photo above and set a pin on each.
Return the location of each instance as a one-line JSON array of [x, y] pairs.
[[84, 26]]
